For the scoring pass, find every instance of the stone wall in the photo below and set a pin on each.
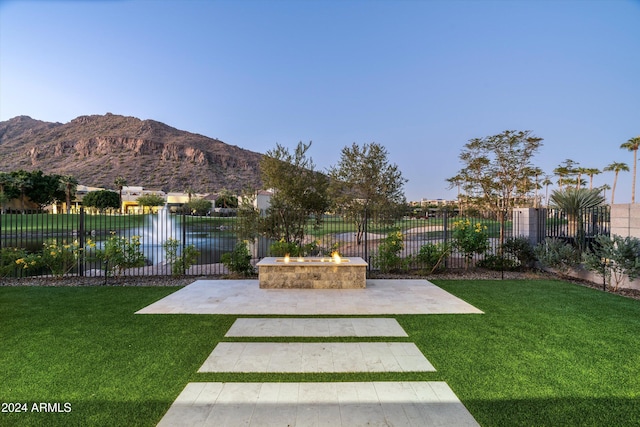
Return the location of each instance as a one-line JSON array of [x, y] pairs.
[[625, 220]]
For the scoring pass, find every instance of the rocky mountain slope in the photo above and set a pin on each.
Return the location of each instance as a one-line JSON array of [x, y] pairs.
[[97, 149]]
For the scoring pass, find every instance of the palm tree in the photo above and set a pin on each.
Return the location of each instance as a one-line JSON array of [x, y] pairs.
[[573, 202], [547, 182], [22, 181], [69, 184], [615, 167], [5, 181], [604, 189], [632, 145], [120, 182], [590, 172]]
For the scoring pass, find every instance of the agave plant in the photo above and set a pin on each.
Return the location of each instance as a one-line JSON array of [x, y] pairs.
[[573, 202]]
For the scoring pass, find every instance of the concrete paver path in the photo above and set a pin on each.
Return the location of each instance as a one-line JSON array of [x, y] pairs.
[[348, 404], [316, 327]]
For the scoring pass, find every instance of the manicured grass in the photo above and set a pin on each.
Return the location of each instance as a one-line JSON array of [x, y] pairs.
[[545, 353]]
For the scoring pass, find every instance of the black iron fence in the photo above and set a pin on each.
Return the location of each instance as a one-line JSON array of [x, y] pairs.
[[77, 241]]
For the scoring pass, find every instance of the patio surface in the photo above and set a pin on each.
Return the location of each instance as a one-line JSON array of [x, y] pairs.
[[245, 297], [349, 404]]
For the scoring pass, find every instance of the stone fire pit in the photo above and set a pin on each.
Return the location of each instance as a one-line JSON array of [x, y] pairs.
[[312, 273]]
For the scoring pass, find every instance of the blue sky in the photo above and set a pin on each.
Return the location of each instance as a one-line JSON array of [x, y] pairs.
[[419, 77]]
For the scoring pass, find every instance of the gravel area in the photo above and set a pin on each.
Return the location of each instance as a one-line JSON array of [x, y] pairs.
[[471, 274]]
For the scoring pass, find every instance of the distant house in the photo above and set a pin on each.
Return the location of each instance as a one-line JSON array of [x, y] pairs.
[[263, 200]]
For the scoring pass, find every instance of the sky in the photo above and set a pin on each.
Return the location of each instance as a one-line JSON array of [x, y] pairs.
[[420, 77]]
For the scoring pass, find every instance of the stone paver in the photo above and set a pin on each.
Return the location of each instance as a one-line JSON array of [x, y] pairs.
[[316, 327], [245, 297], [316, 357], [349, 404]]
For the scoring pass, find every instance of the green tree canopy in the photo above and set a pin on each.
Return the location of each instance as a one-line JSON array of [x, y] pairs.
[[497, 172], [150, 200], [364, 181], [300, 192], [102, 200], [199, 206]]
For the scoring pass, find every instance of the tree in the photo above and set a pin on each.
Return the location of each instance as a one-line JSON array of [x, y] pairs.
[[546, 182], [299, 192], [226, 199], [6, 180], [102, 200], [69, 184], [632, 145], [150, 200], [199, 206], [22, 181], [573, 202], [565, 171], [497, 171], [120, 182], [615, 167], [363, 182], [590, 172]]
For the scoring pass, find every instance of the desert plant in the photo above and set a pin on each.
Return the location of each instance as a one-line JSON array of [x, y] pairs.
[[614, 258], [500, 263], [470, 239], [60, 258], [557, 254], [239, 260], [119, 253], [431, 256], [180, 262], [388, 256], [520, 249], [14, 258]]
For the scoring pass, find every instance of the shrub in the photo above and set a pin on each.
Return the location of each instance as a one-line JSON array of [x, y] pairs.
[[180, 262], [13, 258], [120, 253], [496, 262], [556, 253], [60, 258], [519, 248], [614, 258], [431, 256], [470, 239], [282, 248], [388, 256], [239, 260]]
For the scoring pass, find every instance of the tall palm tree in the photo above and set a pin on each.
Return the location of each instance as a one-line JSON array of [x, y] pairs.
[[69, 184], [590, 172], [604, 189], [632, 145], [120, 182], [23, 182], [547, 182], [5, 181], [615, 167]]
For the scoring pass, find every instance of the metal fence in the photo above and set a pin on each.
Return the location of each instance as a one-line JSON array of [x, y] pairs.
[[214, 236]]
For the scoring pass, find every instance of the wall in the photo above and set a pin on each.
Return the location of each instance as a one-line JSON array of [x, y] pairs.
[[625, 220]]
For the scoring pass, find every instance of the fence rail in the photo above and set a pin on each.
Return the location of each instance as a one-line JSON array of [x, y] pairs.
[[87, 234]]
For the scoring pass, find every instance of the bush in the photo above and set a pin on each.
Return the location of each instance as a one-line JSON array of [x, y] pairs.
[[60, 258], [614, 258], [13, 258], [495, 262], [180, 262], [239, 260], [388, 256], [120, 253], [431, 256], [520, 249], [470, 239], [556, 253]]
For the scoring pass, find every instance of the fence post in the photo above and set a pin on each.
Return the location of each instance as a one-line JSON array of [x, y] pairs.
[[366, 238], [445, 234], [183, 229], [81, 240], [529, 223]]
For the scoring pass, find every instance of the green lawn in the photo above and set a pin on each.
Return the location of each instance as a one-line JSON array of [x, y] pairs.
[[544, 353]]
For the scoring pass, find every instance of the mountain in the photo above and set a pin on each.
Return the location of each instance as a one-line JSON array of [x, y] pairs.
[[97, 149]]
